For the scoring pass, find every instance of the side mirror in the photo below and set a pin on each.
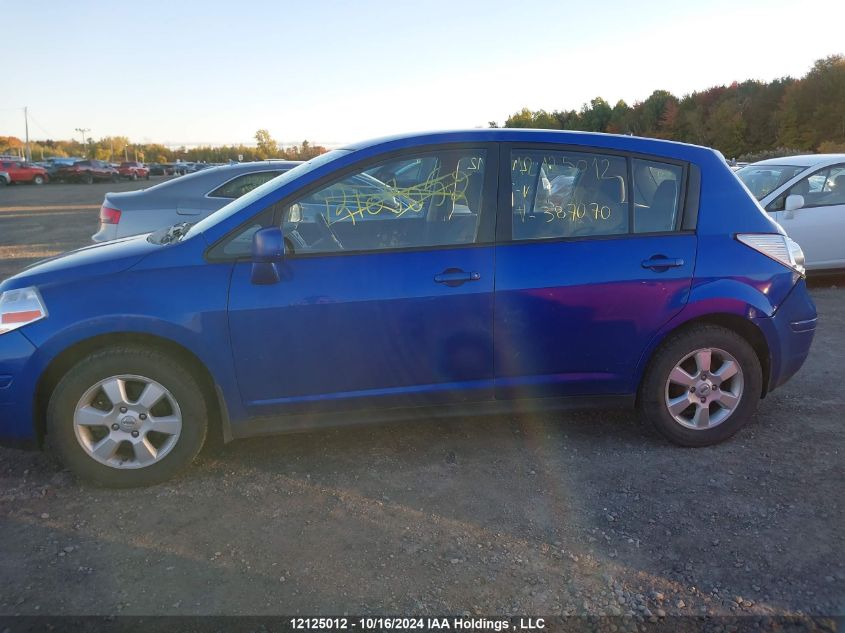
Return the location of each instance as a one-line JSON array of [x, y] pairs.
[[268, 249], [793, 201]]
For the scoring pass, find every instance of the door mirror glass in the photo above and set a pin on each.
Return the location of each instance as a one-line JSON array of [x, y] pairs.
[[794, 201]]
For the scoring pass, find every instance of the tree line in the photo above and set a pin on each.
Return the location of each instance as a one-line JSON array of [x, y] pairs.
[[120, 148], [749, 120]]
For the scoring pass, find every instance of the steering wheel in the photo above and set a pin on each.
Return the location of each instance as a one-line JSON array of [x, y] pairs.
[[323, 222]]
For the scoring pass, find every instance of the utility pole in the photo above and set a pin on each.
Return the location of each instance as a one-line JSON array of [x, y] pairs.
[[82, 131], [26, 128]]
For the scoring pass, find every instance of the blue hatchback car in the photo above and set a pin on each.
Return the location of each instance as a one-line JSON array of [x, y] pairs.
[[452, 273]]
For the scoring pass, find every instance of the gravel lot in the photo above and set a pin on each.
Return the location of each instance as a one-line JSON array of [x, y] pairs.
[[577, 513]]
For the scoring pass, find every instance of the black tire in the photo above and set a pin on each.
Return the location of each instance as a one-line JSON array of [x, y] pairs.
[[115, 361], [147, 177], [653, 389], [88, 178], [38, 180], [115, 178], [134, 175]]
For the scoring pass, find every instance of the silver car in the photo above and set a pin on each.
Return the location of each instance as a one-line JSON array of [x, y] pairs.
[[185, 199]]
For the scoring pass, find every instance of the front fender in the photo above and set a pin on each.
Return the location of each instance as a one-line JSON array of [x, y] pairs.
[[184, 306]]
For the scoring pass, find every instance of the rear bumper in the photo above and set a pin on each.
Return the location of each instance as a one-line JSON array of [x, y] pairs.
[[17, 390], [789, 333]]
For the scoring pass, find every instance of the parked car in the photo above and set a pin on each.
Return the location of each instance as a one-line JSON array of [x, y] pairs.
[[189, 198], [133, 170], [52, 165], [156, 169], [88, 171], [175, 169], [806, 196], [5, 179], [658, 283], [19, 171]]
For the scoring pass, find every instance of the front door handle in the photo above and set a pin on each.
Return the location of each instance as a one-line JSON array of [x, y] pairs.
[[661, 263], [456, 277]]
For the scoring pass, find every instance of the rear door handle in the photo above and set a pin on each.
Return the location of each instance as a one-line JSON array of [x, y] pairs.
[[661, 263], [455, 277]]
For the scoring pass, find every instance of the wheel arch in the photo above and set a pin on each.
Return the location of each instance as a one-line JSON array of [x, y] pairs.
[[58, 367], [752, 334]]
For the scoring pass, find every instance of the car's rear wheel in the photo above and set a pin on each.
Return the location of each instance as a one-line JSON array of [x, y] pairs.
[[115, 178], [88, 178], [38, 180], [127, 416], [702, 386], [134, 175]]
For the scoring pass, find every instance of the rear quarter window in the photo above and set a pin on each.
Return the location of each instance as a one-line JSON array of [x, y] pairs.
[[243, 184]]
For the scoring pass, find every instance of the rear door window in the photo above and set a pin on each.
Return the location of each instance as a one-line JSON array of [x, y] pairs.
[[576, 194], [568, 194]]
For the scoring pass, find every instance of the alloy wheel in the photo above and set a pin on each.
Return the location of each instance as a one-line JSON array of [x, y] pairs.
[[704, 388], [127, 421]]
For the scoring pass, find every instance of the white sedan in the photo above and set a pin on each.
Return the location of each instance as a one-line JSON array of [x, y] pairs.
[[806, 196]]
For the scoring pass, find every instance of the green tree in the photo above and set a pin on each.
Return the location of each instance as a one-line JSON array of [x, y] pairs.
[[267, 146], [596, 116], [813, 109]]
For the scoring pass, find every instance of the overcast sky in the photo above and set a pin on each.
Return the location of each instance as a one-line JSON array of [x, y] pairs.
[[214, 71]]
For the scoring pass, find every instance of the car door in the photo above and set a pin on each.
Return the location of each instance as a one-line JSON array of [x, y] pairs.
[[587, 271], [385, 298], [818, 226]]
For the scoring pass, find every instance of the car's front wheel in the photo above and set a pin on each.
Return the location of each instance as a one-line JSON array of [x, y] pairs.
[[126, 416], [38, 180], [701, 386]]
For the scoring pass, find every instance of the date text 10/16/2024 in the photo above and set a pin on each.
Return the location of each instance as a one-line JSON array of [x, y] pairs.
[[417, 624]]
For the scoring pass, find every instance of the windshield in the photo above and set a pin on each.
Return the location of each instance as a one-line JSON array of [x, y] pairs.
[[256, 194], [761, 180]]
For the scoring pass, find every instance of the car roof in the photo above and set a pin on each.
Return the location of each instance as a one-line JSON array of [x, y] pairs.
[[805, 160], [530, 135]]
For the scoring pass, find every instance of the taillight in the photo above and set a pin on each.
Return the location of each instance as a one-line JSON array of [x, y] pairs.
[[109, 215], [779, 247]]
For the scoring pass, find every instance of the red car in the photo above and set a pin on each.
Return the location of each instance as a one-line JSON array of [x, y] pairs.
[[133, 170], [24, 172], [88, 171]]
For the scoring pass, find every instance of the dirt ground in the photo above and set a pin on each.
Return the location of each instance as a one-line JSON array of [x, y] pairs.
[[574, 513]]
